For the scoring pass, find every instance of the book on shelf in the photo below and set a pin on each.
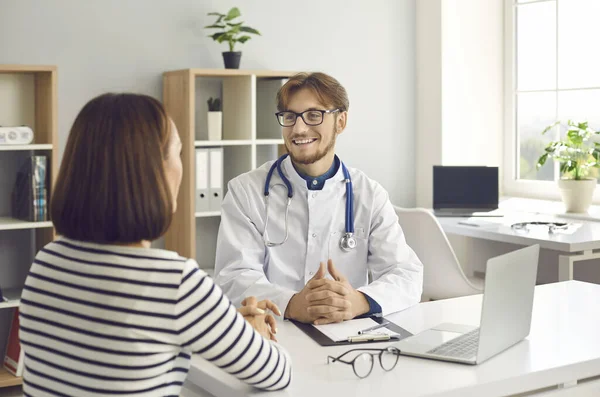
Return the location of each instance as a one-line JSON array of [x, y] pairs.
[[14, 357], [29, 200]]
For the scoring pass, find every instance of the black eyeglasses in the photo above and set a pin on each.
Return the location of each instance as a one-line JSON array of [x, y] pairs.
[[362, 364], [310, 117]]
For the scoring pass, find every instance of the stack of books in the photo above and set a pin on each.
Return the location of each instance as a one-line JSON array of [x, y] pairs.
[[29, 200]]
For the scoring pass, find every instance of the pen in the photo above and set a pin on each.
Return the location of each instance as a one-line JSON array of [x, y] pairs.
[[468, 224], [367, 338], [374, 327]]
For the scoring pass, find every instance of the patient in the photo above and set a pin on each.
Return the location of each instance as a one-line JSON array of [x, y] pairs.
[[103, 313]]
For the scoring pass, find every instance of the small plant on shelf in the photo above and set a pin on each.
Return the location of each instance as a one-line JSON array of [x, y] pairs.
[[215, 119], [214, 104]]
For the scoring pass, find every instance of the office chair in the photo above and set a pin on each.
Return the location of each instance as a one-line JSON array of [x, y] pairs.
[[443, 277]]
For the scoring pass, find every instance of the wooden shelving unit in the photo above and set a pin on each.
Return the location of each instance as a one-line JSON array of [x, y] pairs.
[[7, 379], [251, 136], [28, 96]]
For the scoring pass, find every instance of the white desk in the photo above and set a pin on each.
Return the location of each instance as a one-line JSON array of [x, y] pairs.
[[563, 346], [577, 246]]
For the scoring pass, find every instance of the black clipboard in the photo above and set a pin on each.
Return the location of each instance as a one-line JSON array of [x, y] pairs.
[[324, 340]]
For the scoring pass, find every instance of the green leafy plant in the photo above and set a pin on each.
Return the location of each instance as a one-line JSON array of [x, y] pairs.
[[231, 32], [576, 153], [214, 104]]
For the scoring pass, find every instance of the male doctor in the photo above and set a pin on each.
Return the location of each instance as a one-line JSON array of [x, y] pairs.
[[283, 260]]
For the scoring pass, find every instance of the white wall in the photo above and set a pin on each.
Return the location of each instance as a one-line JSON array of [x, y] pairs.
[[428, 96], [459, 86], [125, 45]]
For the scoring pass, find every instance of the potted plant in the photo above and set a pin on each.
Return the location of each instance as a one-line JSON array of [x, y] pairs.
[[577, 155], [214, 119], [231, 32]]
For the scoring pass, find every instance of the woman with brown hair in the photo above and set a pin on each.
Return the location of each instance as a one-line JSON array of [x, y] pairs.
[[104, 313]]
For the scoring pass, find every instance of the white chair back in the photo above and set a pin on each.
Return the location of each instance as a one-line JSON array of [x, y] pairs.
[[443, 277]]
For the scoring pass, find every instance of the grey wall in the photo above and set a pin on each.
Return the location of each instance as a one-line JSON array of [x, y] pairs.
[[125, 45]]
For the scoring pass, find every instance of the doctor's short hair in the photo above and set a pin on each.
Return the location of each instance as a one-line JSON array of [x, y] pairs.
[[328, 90], [112, 186]]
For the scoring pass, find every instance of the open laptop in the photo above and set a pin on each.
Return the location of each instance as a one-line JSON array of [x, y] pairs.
[[505, 315], [465, 191]]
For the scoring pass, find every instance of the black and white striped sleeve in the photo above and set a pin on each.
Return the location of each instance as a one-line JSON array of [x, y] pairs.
[[209, 325]]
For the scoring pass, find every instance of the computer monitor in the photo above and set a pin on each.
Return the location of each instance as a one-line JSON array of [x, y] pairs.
[[458, 187]]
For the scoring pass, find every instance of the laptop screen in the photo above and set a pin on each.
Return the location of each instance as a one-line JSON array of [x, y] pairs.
[[465, 187]]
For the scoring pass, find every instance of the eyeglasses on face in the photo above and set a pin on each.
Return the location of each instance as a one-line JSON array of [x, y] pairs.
[[311, 117], [362, 364]]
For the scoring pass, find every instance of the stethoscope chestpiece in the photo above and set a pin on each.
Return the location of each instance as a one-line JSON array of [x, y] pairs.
[[347, 242]]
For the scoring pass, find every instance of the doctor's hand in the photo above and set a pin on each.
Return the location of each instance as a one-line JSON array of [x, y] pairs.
[[256, 314], [297, 308], [328, 304]]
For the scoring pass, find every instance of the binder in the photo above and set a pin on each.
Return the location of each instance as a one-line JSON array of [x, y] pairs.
[[202, 173], [216, 178]]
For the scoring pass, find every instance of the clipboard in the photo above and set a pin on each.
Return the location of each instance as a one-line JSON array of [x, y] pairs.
[[324, 340]]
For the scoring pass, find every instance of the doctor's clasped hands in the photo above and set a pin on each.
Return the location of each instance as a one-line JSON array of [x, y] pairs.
[[324, 301]]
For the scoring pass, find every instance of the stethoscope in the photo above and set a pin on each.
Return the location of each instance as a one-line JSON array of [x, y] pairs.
[[552, 226], [347, 241]]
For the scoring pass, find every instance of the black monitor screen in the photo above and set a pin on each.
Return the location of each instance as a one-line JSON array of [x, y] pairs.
[[465, 187]]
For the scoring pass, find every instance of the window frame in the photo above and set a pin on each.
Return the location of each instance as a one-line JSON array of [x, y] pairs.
[[512, 186]]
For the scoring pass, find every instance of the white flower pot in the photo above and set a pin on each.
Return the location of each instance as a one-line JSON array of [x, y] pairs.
[[577, 195], [215, 123]]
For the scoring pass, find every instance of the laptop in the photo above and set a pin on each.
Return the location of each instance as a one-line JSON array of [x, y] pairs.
[[465, 191], [505, 315]]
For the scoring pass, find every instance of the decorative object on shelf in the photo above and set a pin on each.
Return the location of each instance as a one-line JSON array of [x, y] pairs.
[[22, 135], [231, 32], [215, 119], [29, 200], [577, 155], [13, 360]]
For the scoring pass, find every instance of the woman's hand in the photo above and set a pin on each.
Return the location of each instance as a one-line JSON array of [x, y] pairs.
[[256, 314]]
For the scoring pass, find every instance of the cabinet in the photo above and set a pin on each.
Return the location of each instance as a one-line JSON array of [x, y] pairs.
[[28, 96], [251, 136]]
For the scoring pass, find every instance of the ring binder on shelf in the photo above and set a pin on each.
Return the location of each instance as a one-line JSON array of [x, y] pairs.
[[202, 187], [216, 178]]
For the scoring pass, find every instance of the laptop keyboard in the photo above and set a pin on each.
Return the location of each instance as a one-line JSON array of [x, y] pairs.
[[465, 346]]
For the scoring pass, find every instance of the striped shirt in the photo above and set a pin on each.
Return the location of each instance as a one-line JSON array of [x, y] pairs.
[[100, 320]]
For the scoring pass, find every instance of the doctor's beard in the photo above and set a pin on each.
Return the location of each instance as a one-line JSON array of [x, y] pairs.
[[311, 159]]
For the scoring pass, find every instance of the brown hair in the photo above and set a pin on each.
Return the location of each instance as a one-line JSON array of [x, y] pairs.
[[111, 187], [328, 90]]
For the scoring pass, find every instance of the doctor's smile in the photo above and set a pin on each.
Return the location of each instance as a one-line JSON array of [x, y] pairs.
[[303, 142]]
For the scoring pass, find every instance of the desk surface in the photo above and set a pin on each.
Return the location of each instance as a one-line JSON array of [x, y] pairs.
[[563, 346], [586, 236]]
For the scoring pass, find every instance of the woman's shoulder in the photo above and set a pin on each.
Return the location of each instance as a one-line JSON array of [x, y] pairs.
[[134, 257]]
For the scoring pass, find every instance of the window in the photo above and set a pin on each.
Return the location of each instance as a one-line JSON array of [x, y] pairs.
[[553, 73]]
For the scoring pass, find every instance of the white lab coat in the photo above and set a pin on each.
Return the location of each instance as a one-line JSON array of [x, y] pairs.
[[246, 267]]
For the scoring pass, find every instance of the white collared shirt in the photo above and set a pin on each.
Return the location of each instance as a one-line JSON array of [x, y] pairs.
[[316, 222]]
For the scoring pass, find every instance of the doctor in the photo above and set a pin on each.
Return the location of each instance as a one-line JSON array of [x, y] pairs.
[[282, 222]]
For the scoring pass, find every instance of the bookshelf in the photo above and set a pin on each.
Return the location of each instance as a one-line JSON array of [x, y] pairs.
[[251, 136], [7, 379], [28, 96]]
